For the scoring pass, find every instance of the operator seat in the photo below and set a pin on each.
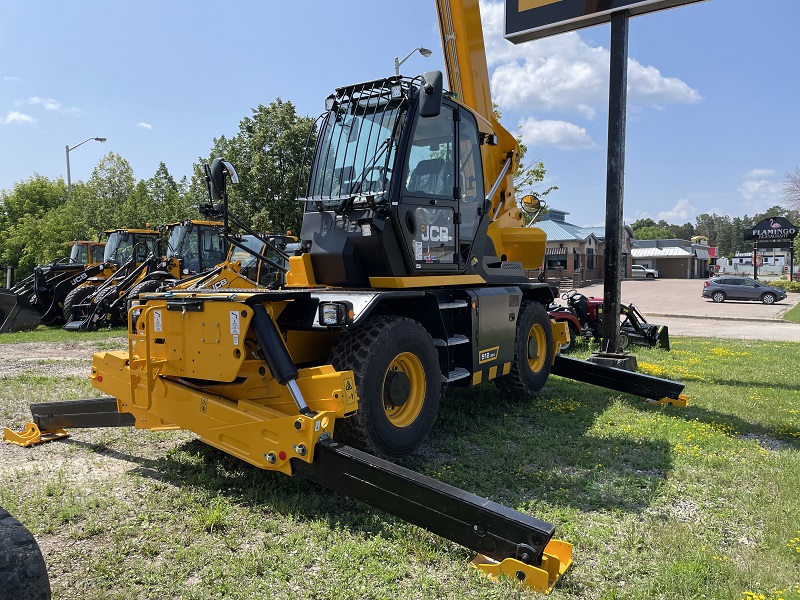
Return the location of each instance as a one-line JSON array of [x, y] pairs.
[[429, 177]]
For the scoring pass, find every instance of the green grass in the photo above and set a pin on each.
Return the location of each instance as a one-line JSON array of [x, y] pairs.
[[793, 314], [43, 333], [660, 502]]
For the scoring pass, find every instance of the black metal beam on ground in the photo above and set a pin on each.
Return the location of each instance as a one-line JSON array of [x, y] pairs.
[[87, 413], [486, 527], [645, 386]]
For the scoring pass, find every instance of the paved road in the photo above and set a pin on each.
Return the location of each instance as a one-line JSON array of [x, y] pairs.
[[678, 304]]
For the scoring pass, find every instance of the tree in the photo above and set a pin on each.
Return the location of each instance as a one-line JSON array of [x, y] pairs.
[[110, 185], [651, 233], [269, 155], [791, 188]]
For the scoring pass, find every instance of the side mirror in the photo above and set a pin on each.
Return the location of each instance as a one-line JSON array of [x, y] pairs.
[[430, 94], [531, 204], [220, 168]]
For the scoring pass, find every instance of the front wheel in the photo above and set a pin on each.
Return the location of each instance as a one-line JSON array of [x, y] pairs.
[[399, 383], [650, 276], [23, 573], [768, 298], [533, 352], [718, 297]]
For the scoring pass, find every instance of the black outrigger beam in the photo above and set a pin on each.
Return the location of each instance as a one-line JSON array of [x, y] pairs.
[[508, 542], [652, 388]]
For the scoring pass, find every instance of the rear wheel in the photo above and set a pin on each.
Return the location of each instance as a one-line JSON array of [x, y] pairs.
[[533, 352], [718, 297], [768, 298], [23, 573], [76, 296], [398, 380]]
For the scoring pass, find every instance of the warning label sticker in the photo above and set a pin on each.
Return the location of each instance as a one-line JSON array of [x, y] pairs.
[[235, 322], [157, 323]]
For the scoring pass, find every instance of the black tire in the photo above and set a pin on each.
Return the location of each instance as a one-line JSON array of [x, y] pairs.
[[385, 344], [143, 287], [102, 303], [533, 352], [768, 298], [23, 573], [650, 276], [623, 341], [76, 296], [574, 336], [718, 296]]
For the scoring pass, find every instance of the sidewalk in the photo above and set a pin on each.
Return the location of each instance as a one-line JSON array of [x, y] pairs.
[[678, 304]]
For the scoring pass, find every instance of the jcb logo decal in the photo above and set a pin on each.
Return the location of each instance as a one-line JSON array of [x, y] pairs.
[[434, 233], [531, 4], [488, 355], [79, 278]]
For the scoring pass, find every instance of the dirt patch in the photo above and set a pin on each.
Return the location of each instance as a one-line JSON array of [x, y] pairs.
[[53, 359]]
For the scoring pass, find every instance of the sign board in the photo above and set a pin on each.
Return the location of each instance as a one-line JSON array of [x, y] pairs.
[[773, 228], [533, 19]]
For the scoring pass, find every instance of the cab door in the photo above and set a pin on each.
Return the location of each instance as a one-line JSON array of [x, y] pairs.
[[428, 207], [442, 191]]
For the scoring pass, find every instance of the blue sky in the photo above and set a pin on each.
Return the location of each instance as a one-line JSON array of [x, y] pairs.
[[712, 109]]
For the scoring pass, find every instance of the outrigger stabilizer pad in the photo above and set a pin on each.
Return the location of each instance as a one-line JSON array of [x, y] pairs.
[[32, 435]]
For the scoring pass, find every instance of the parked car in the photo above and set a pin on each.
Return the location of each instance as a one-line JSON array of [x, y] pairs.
[[727, 287], [642, 271]]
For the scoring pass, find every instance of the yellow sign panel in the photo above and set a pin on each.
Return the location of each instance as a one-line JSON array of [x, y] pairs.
[[529, 4]]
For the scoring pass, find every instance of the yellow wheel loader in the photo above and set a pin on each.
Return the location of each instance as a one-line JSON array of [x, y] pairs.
[[39, 297], [192, 247]]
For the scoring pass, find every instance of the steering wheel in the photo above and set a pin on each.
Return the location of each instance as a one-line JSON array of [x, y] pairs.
[[569, 294]]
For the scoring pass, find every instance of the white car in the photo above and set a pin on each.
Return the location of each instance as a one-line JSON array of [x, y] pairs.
[[642, 271]]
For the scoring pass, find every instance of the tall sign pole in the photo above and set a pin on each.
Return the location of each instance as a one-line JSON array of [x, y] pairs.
[[615, 180]]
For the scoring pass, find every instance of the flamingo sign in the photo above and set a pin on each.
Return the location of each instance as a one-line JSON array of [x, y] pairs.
[[772, 228]]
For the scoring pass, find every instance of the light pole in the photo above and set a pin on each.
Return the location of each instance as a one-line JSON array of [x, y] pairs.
[[424, 51], [69, 180]]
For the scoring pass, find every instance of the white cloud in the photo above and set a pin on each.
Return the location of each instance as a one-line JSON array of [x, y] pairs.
[[760, 173], [559, 134], [11, 78], [47, 103], [682, 212], [17, 117], [759, 194], [565, 73], [144, 125]]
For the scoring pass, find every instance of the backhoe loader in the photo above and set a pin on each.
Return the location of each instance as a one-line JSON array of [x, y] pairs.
[[408, 279]]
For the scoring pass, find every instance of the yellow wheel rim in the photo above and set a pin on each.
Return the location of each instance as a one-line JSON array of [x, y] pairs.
[[537, 348], [405, 415]]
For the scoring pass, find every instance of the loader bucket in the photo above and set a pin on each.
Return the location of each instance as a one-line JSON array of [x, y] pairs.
[[16, 313], [662, 338]]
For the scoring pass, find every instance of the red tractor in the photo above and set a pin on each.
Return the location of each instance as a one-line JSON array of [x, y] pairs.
[[585, 319]]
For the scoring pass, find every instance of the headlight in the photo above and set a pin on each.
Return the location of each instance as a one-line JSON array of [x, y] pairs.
[[335, 313]]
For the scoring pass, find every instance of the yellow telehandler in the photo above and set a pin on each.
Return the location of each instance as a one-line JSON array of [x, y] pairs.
[[408, 278]]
